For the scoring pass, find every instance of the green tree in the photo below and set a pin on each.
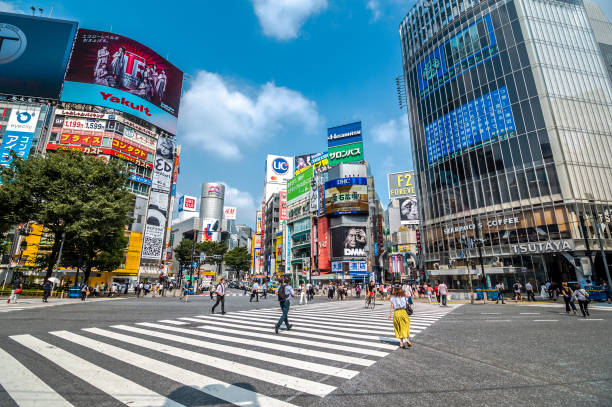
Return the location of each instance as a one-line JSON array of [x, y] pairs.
[[76, 196], [183, 252], [238, 259], [214, 251]]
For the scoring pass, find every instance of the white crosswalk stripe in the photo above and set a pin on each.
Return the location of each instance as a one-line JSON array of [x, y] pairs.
[[235, 358]]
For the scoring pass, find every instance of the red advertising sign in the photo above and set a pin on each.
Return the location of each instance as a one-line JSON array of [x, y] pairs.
[[112, 60], [323, 242], [283, 205], [84, 149], [129, 149], [81, 139], [126, 157]]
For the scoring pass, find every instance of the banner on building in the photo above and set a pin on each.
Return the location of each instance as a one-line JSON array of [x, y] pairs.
[[283, 206], [212, 229], [157, 215], [347, 153], [302, 162], [349, 241], [320, 162], [278, 168], [300, 184], [162, 167], [346, 195], [401, 184], [323, 243], [187, 203], [345, 134], [19, 134], [34, 52], [229, 212], [114, 71]]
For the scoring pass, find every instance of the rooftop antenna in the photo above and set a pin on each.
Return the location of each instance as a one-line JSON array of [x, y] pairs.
[[401, 92], [33, 9], [40, 10], [51, 12]]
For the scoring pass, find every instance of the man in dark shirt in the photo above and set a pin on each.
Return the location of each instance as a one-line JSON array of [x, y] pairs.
[[47, 286], [17, 285]]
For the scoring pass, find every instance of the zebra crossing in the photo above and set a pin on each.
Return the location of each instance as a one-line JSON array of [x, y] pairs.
[[234, 358], [34, 303]]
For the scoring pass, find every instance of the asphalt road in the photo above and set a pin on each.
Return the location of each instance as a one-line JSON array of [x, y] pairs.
[[140, 352]]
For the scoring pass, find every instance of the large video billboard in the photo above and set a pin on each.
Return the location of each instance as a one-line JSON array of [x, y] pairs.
[[34, 52], [345, 134], [401, 184], [349, 241], [111, 70], [346, 195]]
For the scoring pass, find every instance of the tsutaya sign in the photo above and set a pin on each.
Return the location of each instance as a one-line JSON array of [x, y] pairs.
[[549, 246], [493, 223]]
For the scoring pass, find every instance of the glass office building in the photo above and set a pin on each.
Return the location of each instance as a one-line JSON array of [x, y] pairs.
[[510, 104]]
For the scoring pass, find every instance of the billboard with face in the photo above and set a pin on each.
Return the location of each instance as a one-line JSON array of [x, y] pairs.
[[302, 162], [409, 211], [349, 241], [111, 70], [162, 167], [346, 195], [34, 52]]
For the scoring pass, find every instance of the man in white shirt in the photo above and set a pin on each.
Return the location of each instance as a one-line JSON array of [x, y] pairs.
[[443, 290], [220, 297], [529, 290]]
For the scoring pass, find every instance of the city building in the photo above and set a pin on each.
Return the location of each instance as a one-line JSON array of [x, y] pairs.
[[509, 104]]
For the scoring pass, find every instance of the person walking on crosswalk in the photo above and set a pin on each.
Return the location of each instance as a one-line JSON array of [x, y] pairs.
[[284, 292], [303, 294], [220, 297], [401, 320]]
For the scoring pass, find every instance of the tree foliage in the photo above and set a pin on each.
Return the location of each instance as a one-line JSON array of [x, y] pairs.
[[214, 251], [183, 251], [73, 194], [238, 259]]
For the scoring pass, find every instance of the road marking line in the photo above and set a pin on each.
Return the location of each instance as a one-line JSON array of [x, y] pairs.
[[382, 321], [280, 379], [530, 313], [171, 322], [497, 320], [545, 320], [592, 319], [381, 324], [122, 389], [281, 360], [491, 313], [253, 326], [37, 392], [216, 388], [268, 345]]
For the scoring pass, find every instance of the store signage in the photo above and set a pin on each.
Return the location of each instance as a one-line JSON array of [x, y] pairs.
[[187, 203], [345, 134], [140, 179], [346, 153], [229, 212], [549, 246], [81, 139], [401, 184], [497, 222]]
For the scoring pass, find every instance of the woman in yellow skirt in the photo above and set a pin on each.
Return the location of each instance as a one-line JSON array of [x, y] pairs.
[[401, 320]]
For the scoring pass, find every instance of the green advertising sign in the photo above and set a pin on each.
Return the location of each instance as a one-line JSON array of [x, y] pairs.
[[347, 153], [300, 184]]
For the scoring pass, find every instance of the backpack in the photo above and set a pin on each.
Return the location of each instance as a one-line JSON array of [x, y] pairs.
[[282, 295]]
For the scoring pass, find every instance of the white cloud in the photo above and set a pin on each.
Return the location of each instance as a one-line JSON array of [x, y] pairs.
[[9, 7], [374, 7], [244, 203], [220, 118], [282, 19], [392, 131]]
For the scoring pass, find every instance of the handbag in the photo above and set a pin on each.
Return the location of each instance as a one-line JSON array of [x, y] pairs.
[[18, 291], [409, 309]]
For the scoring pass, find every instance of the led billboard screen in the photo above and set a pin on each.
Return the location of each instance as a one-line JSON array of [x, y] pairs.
[[477, 121], [34, 52], [349, 241], [346, 195], [111, 70]]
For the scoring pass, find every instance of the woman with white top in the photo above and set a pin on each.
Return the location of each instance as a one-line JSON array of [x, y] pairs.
[[401, 320], [583, 301]]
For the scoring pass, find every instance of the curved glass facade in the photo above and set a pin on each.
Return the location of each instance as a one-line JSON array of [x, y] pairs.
[[511, 117]]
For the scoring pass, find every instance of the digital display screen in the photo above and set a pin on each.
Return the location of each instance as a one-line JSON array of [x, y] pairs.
[[471, 124], [462, 52]]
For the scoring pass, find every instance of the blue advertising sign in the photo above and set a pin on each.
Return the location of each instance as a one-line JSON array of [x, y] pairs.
[[467, 49], [34, 53], [336, 267], [470, 124], [346, 181], [345, 134], [140, 179], [19, 133]]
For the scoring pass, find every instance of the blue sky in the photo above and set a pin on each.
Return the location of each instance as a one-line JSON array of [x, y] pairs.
[[267, 77]]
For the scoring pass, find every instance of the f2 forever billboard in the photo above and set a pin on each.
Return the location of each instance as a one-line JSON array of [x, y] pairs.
[[111, 70]]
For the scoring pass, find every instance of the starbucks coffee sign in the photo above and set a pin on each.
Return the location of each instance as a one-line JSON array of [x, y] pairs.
[[549, 246]]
